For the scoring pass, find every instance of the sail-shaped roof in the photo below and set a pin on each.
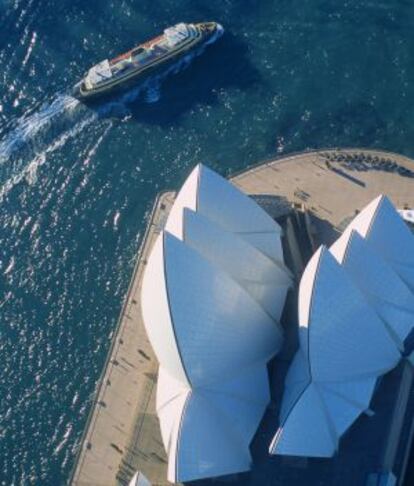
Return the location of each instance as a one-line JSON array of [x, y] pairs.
[[207, 431], [344, 348], [267, 282], [214, 197], [382, 226], [381, 285], [213, 340], [213, 322], [212, 297]]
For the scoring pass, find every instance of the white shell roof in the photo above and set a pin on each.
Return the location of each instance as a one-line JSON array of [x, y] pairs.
[[214, 197], [224, 415], [260, 276], [212, 295], [157, 315], [382, 226], [344, 348], [213, 340], [382, 287], [208, 306], [341, 327]]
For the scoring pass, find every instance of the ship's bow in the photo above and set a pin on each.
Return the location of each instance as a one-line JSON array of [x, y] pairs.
[[211, 31]]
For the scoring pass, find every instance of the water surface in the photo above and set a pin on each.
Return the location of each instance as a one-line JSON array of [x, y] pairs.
[[76, 184]]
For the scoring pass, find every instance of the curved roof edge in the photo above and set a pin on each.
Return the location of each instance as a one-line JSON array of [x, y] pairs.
[[260, 276], [210, 194], [382, 226], [382, 287], [226, 418], [344, 348]]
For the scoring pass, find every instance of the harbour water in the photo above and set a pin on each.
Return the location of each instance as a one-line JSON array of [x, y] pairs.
[[76, 184]]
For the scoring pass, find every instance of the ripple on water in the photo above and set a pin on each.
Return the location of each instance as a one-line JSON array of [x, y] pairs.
[[76, 183]]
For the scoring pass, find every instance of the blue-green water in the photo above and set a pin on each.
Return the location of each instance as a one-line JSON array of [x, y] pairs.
[[76, 184]]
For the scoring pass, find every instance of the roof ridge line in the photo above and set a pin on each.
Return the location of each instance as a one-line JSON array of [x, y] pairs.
[[331, 426], [171, 314], [355, 403]]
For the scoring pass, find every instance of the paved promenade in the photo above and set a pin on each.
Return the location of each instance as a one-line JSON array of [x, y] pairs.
[[122, 434], [333, 184]]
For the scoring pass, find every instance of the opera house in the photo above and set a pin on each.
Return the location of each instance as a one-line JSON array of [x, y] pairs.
[[266, 337], [213, 294]]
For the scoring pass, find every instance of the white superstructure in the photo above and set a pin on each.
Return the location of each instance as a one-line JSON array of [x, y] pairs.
[[98, 73], [179, 33]]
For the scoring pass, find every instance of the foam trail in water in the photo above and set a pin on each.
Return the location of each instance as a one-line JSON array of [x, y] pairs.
[[92, 151], [28, 127], [29, 172], [23, 13]]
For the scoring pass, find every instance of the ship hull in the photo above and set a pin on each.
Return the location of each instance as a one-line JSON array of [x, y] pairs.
[[141, 76]]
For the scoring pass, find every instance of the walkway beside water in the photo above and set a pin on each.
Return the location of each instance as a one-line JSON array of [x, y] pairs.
[[122, 434], [312, 179]]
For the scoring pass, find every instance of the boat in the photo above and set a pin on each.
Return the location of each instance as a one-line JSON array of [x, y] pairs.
[[146, 60]]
